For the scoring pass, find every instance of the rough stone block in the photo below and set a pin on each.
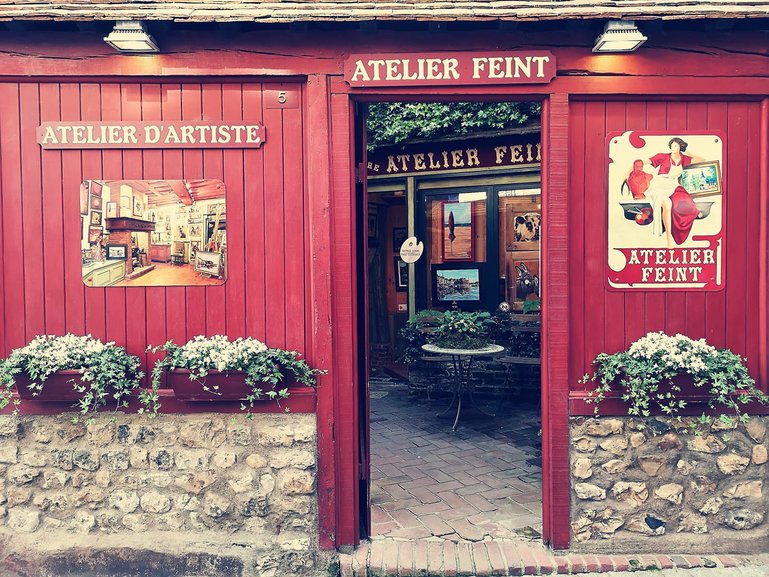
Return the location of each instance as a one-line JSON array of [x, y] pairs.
[[589, 492], [732, 464], [23, 520], [154, 502]]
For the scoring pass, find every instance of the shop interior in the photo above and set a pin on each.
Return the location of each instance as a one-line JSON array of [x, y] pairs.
[[153, 232], [474, 202]]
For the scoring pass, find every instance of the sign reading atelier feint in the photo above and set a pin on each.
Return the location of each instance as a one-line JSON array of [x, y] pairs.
[[449, 68], [178, 134], [666, 211]]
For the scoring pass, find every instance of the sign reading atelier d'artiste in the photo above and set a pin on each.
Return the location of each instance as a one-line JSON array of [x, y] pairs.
[[666, 213]]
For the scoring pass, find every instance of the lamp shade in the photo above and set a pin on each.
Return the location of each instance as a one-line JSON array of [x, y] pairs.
[[131, 36], [619, 36]]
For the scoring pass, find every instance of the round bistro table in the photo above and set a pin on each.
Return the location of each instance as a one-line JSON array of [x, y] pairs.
[[462, 361]]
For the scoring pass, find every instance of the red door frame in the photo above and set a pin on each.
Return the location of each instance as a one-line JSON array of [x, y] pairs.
[[555, 330]]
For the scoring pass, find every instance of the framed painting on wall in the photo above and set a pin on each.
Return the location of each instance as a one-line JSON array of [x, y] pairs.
[[95, 218], [457, 235], [94, 234], [84, 198], [112, 210], [95, 189], [95, 202], [461, 284], [401, 275], [116, 252], [523, 222]]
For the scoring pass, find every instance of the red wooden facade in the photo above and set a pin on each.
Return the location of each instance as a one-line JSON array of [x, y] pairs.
[[292, 212]]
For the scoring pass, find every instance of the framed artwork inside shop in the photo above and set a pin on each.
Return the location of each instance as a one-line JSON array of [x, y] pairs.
[[401, 274], [112, 210], [116, 252], [460, 284], [95, 218], [96, 188], [95, 202], [399, 237], [457, 236], [523, 277], [523, 221]]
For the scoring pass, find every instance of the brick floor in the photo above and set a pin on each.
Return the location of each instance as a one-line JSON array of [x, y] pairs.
[[481, 559], [481, 482]]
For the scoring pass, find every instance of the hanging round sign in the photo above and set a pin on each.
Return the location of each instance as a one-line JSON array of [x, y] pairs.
[[411, 250]]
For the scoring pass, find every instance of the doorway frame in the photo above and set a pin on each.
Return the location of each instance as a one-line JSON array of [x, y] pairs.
[[554, 171]]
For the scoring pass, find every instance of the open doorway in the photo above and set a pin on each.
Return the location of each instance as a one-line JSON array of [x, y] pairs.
[[439, 468]]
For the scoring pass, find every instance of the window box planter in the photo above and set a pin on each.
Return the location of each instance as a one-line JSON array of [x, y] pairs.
[[215, 386], [57, 387]]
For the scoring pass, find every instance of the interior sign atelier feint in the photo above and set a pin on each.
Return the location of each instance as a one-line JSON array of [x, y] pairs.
[[449, 68], [178, 134]]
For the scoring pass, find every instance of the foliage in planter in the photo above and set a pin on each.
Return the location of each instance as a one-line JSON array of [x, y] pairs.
[[645, 376], [450, 329], [260, 364], [520, 343], [107, 371]]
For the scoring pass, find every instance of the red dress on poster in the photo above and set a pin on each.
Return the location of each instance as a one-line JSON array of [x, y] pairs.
[[683, 211]]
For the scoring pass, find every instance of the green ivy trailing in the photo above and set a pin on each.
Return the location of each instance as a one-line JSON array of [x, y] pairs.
[[645, 375], [108, 374], [393, 122], [260, 364]]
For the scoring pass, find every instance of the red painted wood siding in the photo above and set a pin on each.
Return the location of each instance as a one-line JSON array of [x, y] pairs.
[[42, 291], [608, 321]]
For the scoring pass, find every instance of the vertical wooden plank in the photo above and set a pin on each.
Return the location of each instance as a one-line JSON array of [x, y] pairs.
[[213, 167], [595, 234], [319, 193], [753, 251], [192, 161], [577, 316], [152, 169], [294, 228], [71, 179], [53, 218], [3, 351], [274, 215], [763, 246], [556, 482], [614, 301], [344, 330], [675, 301], [655, 300], [136, 302], [254, 210], [715, 301], [696, 119], [737, 217], [235, 290], [176, 297], [13, 247], [32, 211], [89, 98], [635, 301]]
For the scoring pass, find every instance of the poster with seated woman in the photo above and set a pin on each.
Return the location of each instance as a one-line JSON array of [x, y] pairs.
[[666, 213]]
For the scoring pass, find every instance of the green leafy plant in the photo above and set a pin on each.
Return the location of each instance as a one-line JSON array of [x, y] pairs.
[[459, 330], [262, 366], [394, 122], [646, 377], [107, 372], [507, 332]]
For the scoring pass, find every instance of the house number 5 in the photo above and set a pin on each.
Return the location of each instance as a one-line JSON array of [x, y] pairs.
[[282, 97]]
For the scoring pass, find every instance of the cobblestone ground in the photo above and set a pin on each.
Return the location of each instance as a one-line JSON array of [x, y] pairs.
[[479, 483]]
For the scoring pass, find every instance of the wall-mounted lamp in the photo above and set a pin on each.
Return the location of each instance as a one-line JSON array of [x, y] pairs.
[[619, 36], [131, 36]]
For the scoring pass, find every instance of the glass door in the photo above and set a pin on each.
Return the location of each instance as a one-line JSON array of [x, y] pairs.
[[454, 271]]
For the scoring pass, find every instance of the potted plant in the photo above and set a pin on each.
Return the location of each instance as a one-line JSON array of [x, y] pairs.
[[663, 373], [73, 368], [215, 368], [460, 330]]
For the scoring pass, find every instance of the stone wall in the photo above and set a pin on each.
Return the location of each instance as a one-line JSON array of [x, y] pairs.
[[204, 494], [643, 485]]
